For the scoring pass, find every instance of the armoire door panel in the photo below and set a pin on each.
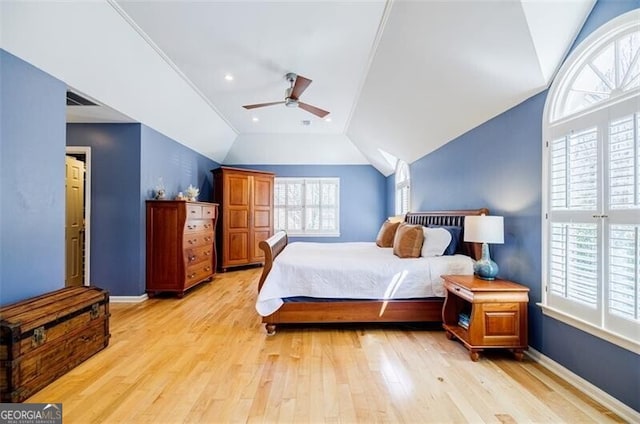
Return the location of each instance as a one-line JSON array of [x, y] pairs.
[[238, 219], [258, 236], [237, 190], [263, 191], [262, 219], [237, 247]]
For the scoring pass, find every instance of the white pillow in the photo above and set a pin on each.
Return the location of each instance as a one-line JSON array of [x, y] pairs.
[[436, 241]]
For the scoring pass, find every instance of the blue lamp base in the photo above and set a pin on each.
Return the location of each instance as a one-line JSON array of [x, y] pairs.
[[484, 267]]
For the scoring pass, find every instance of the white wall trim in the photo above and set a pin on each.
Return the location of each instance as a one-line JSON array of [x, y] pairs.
[[623, 411], [128, 299]]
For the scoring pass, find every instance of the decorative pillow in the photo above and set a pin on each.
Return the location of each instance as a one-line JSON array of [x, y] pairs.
[[456, 237], [387, 233], [408, 241], [436, 241]]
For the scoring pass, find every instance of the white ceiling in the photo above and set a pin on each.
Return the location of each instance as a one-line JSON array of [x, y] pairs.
[[404, 77]]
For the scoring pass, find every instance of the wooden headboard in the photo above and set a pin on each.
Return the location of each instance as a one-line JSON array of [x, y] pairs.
[[450, 218]]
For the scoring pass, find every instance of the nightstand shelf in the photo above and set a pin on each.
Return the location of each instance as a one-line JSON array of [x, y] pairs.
[[496, 310]]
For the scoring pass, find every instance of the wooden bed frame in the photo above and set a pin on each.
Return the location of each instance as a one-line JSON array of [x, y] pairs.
[[365, 311]]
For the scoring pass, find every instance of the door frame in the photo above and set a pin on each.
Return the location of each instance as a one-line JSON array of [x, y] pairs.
[[86, 151]]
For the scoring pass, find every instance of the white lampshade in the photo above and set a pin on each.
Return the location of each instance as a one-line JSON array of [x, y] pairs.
[[484, 229]]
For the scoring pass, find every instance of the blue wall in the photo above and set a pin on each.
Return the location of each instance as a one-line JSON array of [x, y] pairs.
[[499, 165], [178, 166], [126, 162], [115, 204], [31, 180], [363, 203]]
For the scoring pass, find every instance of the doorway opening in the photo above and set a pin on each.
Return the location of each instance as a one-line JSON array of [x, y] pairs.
[[77, 216]]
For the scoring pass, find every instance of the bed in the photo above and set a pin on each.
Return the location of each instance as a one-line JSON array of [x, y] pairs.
[[310, 309]]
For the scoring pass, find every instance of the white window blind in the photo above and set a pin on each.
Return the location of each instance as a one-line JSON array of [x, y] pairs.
[[403, 188], [591, 234], [624, 271], [307, 206]]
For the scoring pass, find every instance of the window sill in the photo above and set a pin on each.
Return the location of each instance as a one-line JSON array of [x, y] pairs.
[[623, 342]]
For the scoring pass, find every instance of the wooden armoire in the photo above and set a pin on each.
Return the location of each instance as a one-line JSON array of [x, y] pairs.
[[246, 214]]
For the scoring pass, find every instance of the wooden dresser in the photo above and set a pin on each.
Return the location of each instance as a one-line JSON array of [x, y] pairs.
[[246, 217], [181, 250]]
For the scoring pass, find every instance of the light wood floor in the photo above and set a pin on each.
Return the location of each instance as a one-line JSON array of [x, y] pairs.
[[206, 359]]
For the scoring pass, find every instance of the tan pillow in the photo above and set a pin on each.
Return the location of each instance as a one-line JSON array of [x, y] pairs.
[[408, 241], [386, 234]]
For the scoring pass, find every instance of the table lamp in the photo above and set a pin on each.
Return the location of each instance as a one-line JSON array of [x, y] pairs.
[[484, 229]]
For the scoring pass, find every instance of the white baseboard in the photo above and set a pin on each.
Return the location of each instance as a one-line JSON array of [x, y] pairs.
[[623, 411], [128, 299]]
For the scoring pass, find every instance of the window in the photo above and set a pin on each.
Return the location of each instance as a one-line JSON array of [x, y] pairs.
[[307, 206], [402, 188], [591, 234]]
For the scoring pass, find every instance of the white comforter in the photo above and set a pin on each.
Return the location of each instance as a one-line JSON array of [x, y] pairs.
[[354, 271]]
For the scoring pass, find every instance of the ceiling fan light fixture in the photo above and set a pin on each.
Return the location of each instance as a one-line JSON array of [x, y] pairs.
[[288, 102]]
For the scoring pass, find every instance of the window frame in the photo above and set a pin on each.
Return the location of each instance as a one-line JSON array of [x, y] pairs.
[[304, 181], [597, 322], [402, 187]]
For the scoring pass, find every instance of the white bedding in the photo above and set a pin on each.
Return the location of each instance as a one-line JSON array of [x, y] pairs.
[[354, 271]]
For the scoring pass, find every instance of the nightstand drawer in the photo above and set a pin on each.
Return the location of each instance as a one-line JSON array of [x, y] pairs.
[[459, 291]]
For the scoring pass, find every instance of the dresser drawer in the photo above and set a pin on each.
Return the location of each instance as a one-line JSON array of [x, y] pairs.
[[209, 212], [200, 238], [198, 254], [198, 272], [197, 225], [194, 211]]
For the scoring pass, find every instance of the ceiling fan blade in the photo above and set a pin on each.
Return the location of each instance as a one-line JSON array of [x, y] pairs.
[[262, 105], [300, 85], [312, 109]]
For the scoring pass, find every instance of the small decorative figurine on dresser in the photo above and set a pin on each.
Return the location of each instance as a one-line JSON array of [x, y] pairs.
[[160, 190], [192, 193]]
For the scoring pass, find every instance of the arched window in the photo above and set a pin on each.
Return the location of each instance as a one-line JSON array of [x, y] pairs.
[[591, 190], [403, 188]]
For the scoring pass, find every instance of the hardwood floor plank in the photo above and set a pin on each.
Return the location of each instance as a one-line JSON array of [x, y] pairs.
[[206, 359]]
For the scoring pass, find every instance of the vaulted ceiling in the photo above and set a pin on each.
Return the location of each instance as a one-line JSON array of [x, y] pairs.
[[400, 78]]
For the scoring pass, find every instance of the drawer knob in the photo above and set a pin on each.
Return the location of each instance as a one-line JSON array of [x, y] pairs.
[[207, 269], [192, 211], [192, 241], [192, 258]]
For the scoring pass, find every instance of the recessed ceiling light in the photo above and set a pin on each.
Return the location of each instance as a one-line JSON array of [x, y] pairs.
[[255, 119], [228, 77], [327, 119]]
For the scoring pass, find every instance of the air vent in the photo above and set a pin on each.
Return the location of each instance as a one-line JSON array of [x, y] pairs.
[[74, 99]]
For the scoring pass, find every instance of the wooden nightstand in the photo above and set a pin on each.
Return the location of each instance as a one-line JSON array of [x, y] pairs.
[[496, 312]]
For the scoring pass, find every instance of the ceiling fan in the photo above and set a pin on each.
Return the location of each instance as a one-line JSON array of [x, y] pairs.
[[292, 95]]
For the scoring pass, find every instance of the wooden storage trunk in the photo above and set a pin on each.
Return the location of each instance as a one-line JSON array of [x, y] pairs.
[[44, 337]]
